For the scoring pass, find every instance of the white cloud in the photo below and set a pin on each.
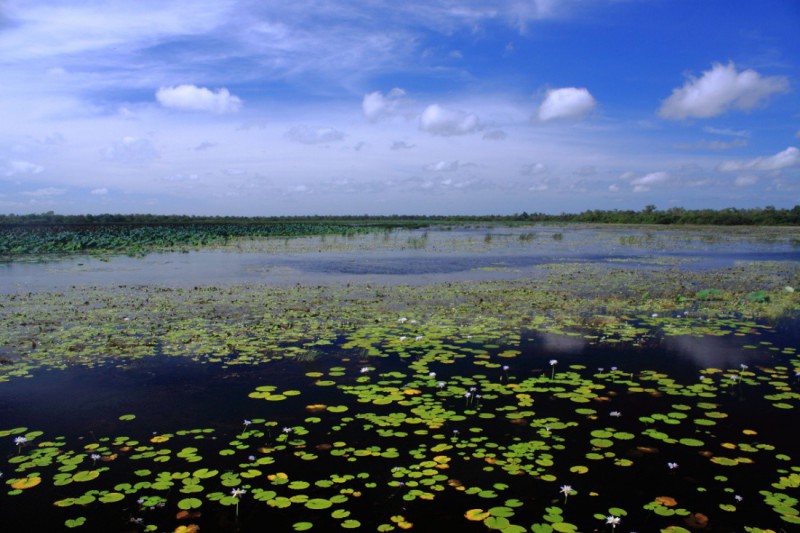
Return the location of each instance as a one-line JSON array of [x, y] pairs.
[[375, 106], [745, 181], [11, 168], [613, 188], [47, 191], [566, 103], [542, 183], [533, 169], [131, 150], [446, 166], [440, 121], [102, 191], [647, 181], [718, 90], [308, 135], [193, 98], [178, 178], [714, 145], [785, 159], [727, 131]]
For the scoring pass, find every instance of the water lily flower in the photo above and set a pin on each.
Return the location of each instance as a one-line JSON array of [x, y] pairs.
[[413, 321], [738, 498], [287, 430], [247, 422], [418, 338], [431, 374], [402, 338], [553, 362], [566, 490], [615, 413], [743, 366], [613, 520], [237, 492], [95, 457], [364, 369], [505, 368], [440, 384], [402, 319], [672, 466], [19, 441]]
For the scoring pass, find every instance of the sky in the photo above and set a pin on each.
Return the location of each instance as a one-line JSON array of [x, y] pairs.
[[380, 107]]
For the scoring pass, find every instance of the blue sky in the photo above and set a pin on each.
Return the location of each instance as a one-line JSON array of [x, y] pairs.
[[234, 107]]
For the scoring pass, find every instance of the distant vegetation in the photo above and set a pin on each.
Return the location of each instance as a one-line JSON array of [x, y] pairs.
[[49, 233]]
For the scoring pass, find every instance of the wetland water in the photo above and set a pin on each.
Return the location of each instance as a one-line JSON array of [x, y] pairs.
[[512, 379]]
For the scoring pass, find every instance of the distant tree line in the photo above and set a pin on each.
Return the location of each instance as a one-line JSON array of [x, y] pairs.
[[766, 216]]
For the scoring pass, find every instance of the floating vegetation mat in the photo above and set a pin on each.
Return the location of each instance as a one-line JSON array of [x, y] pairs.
[[593, 398]]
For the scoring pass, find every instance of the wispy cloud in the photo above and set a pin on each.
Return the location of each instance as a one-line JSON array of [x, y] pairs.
[[782, 160], [131, 150], [18, 166], [309, 135], [648, 181]]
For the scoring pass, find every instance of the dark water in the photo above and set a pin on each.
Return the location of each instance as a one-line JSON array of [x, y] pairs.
[[83, 405]]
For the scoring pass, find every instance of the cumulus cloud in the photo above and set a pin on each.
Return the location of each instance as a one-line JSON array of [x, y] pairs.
[[566, 103], [102, 191], [193, 98], [785, 159], [131, 150], [14, 167], [644, 183], [376, 106], [445, 122], [309, 135], [718, 90]]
